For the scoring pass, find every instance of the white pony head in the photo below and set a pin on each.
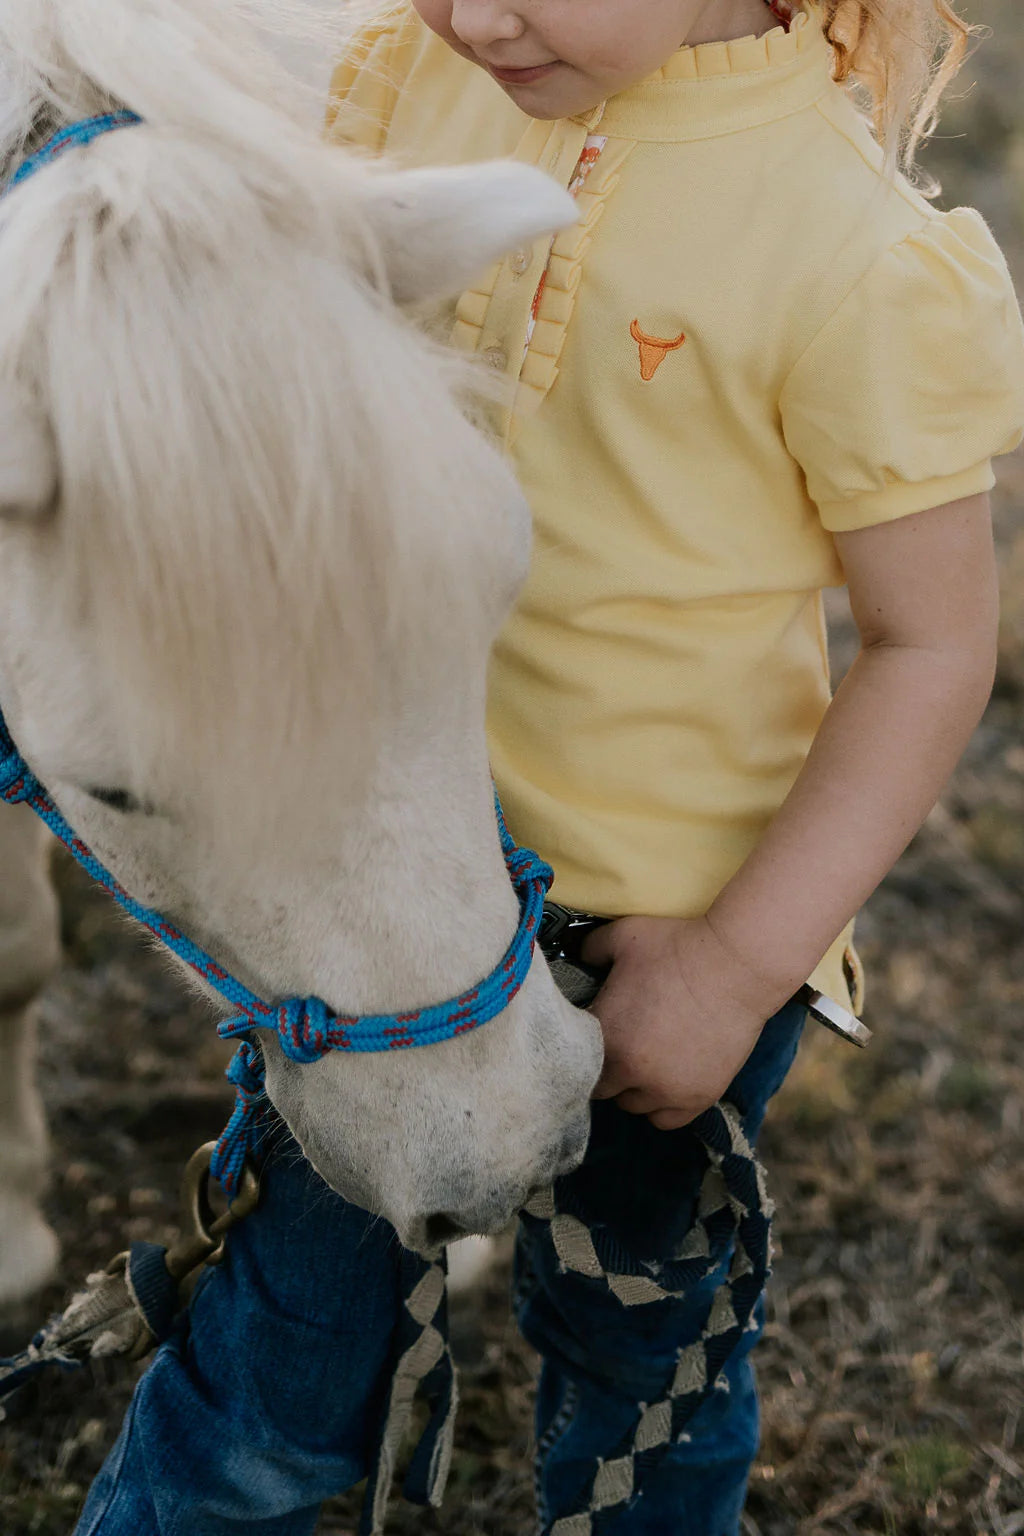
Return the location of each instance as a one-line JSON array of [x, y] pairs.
[[252, 559]]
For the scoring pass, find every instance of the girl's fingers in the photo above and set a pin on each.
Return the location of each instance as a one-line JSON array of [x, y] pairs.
[[615, 1080], [610, 1084], [598, 948]]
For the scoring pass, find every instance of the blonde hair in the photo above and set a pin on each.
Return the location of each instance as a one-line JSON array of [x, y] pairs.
[[904, 53]]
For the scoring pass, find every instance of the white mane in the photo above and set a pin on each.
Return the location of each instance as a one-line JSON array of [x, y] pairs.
[[269, 564]]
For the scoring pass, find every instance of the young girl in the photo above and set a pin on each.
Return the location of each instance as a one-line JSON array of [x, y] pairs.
[[761, 365]]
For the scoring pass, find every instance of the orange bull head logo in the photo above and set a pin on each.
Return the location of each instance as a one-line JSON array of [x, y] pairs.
[[653, 350]]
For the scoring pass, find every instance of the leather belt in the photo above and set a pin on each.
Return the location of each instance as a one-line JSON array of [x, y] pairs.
[[563, 930]]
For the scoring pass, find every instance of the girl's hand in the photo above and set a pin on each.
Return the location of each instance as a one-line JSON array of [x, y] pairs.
[[680, 1016]]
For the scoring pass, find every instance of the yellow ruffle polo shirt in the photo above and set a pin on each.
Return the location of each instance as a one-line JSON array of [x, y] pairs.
[[751, 340]]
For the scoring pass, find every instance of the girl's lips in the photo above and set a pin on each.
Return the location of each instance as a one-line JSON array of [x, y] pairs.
[[523, 76]]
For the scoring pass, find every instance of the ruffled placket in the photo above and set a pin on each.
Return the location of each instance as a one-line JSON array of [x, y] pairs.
[[518, 316]]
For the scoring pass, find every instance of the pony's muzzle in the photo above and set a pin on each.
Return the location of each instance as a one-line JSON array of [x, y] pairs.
[[493, 1215]]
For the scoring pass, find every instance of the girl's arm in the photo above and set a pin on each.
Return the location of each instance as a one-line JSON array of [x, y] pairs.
[[925, 597], [686, 1000]]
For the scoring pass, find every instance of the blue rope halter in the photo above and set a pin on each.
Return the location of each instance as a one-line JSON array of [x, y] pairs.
[[70, 138], [306, 1027]]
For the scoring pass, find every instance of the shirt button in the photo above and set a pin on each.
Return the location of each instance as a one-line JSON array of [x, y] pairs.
[[519, 262], [496, 358]]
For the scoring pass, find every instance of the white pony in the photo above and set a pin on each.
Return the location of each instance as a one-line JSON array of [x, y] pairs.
[[252, 559]]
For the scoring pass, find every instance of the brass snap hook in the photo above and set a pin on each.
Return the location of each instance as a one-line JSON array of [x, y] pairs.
[[203, 1238], [202, 1242]]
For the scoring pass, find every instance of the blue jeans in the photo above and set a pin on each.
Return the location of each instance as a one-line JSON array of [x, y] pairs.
[[269, 1396]]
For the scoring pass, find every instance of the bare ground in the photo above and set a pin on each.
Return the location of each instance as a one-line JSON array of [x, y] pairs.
[[893, 1369]]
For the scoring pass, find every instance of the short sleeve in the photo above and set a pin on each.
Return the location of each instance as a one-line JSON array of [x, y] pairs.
[[914, 383], [368, 78]]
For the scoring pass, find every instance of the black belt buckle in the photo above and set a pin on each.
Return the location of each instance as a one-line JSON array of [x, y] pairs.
[[562, 932], [553, 924]]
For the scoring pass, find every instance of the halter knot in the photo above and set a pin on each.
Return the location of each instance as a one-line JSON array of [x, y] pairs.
[[527, 867], [304, 1029]]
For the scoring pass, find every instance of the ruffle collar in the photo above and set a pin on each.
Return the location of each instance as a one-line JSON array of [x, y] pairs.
[[716, 88]]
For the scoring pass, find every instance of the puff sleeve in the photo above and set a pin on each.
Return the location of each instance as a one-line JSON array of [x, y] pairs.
[[368, 78], [915, 381]]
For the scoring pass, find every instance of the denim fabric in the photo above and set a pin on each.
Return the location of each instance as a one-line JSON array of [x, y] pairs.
[[268, 1397], [602, 1359]]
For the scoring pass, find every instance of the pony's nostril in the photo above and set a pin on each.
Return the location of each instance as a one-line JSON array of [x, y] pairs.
[[443, 1229]]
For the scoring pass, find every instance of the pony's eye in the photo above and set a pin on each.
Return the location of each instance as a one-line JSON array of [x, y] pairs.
[[120, 800]]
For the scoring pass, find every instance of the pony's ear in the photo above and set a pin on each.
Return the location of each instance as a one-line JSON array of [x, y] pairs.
[[28, 456], [439, 229]]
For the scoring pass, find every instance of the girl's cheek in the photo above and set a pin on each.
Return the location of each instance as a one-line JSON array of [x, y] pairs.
[[613, 49]]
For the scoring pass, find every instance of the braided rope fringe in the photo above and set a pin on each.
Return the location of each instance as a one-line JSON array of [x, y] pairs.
[[425, 1359], [734, 1205], [734, 1209]]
